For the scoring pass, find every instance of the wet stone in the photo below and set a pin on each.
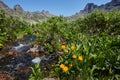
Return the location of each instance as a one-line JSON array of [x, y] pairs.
[[16, 60], [28, 38], [17, 65], [11, 63], [20, 57], [21, 47]]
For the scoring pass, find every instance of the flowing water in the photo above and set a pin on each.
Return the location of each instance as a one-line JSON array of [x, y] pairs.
[[20, 56], [17, 61]]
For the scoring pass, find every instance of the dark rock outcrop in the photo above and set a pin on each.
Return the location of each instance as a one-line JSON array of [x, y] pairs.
[[113, 5], [89, 7], [18, 8]]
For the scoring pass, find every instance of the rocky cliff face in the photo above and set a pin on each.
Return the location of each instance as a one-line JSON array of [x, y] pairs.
[[113, 5], [115, 1], [89, 7], [18, 8], [19, 12], [5, 8], [110, 6]]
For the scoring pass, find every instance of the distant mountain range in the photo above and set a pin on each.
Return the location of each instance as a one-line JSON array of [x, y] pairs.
[[19, 12], [113, 5]]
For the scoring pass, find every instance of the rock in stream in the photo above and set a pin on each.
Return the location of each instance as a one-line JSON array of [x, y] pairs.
[[20, 57]]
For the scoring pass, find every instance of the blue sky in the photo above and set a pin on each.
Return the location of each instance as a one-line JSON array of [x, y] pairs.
[[57, 7]]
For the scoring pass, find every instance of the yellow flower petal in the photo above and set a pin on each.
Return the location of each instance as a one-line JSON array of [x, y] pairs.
[[74, 56], [72, 47], [80, 58], [65, 69], [63, 46], [62, 65]]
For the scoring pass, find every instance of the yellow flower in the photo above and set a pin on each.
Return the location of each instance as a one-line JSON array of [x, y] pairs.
[[74, 56], [65, 68], [66, 51], [72, 47], [70, 65], [62, 66], [80, 58], [63, 46]]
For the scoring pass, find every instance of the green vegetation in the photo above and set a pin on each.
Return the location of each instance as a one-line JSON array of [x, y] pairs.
[[37, 74], [12, 27], [88, 48], [94, 57]]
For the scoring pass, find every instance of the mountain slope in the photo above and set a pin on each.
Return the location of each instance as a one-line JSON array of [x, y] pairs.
[[113, 5], [19, 12], [5, 8]]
